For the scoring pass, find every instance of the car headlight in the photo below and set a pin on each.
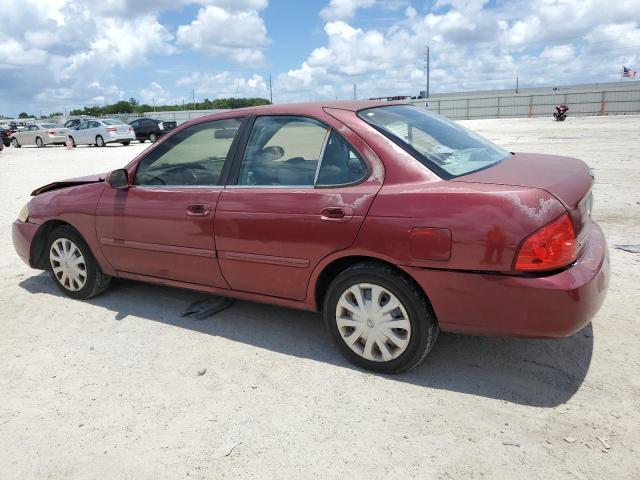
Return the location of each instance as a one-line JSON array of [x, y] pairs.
[[23, 216]]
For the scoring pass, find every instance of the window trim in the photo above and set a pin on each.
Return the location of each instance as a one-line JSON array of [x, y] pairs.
[[234, 170]]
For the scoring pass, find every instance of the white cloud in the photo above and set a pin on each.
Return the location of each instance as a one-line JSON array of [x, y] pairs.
[[344, 9], [225, 85], [236, 34]]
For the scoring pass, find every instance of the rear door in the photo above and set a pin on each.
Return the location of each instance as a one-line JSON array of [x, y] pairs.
[[163, 226], [298, 192]]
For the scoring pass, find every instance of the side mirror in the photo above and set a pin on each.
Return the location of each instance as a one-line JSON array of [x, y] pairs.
[[118, 179]]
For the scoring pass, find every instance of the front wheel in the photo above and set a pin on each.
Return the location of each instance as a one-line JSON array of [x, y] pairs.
[[39, 142], [99, 141], [379, 318], [153, 137], [15, 143], [72, 266]]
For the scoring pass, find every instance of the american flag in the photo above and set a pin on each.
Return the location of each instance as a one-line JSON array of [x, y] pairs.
[[627, 72]]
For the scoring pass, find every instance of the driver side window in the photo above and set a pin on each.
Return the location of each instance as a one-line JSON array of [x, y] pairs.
[[193, 157]]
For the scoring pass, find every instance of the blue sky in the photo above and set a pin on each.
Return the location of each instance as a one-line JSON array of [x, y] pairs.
[[61, 54]]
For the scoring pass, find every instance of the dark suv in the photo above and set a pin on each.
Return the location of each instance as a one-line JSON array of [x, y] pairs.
[[5, 136], [149, 129]]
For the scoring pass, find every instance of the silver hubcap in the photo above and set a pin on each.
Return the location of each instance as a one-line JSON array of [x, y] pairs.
[[373, 322], [68, 264]]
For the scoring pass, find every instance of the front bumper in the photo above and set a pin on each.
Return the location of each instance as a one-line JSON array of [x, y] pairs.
[[554, 306], [22, 234]]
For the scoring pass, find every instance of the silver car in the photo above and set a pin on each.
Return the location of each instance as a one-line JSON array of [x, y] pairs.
[[40, 135], [99, 132]]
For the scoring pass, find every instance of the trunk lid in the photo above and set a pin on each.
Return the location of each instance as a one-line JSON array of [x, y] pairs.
[[568, 179]]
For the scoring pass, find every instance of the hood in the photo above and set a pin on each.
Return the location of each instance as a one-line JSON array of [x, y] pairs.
[[72, 182]]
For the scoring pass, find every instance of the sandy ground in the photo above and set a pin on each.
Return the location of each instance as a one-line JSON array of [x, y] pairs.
[[110, 388]]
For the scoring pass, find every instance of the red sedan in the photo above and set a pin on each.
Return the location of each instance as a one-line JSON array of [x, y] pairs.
[[394, 222]]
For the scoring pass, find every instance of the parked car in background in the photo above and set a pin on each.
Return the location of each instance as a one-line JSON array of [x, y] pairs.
[[5, 136], [100, 132], [150, 129], [392, 221], [40, 135]]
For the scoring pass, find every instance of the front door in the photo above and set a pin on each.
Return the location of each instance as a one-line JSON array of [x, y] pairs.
[[298, 193], [163, 225]]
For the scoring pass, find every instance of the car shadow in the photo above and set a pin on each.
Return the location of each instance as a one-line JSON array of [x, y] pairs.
[[541, 373]]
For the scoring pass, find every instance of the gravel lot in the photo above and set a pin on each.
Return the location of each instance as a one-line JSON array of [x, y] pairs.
[[110, 388]]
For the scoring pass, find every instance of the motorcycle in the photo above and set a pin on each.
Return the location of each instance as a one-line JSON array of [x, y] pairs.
[[561, 113]]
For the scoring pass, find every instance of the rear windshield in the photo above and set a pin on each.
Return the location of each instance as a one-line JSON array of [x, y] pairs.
[[445, 147], [50, 125], [112, 122]]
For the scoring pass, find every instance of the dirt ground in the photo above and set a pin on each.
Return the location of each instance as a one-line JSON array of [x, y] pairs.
[[110, 388]]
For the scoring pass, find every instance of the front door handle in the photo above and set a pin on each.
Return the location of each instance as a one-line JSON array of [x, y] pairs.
[[198, 209], [336, 214]]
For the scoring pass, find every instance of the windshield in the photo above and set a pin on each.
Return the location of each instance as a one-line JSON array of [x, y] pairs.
[[440, 144], [112, 122]]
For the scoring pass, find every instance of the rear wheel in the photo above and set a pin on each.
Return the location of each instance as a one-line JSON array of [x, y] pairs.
[[73, 142], [379, 318], [153, 137], [72, 266], [142, 140], [99, 141], [125, 143], [39, 142], [15, 143]]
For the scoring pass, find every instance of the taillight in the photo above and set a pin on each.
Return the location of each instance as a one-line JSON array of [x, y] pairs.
[[131, 129], [112, 129], [51, 133], [553, 246]]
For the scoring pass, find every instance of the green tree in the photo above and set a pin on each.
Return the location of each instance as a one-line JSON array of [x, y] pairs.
[[24, 115]]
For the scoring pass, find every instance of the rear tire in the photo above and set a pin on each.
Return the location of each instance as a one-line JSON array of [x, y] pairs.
[[39, 142], [142, 140], [393, 349], [72, 265], [125, 143], [100, 141], [73, 142], [15, 143], [153, 137]]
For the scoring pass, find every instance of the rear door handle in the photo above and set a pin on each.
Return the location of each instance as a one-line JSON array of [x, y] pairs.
[[198, 209], [336, 214]]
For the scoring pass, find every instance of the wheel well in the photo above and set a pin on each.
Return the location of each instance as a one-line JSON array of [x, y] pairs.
[[336, 267], [39, 243]]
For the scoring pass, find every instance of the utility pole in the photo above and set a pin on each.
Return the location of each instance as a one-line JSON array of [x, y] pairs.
[[427, 66], [355, 90], [270, 90], [516, 84], [193, 96]]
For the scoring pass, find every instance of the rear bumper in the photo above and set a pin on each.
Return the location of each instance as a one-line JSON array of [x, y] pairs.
[[120, 137], [544, 307], [22, 234]]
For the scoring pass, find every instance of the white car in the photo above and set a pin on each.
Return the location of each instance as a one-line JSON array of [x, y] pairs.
[[40, 135], [99, 132]]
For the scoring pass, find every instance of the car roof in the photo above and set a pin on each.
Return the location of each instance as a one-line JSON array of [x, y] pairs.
[[306, 108]]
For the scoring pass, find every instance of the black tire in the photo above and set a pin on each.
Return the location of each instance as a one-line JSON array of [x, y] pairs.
[[15, 143], [73, 142], [39, 142], [142, 140], [100, 141], [125, 143], [153, 137], [96, 282], [424, 327]]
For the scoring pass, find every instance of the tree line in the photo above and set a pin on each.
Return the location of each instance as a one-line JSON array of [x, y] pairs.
[[132, 106]]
